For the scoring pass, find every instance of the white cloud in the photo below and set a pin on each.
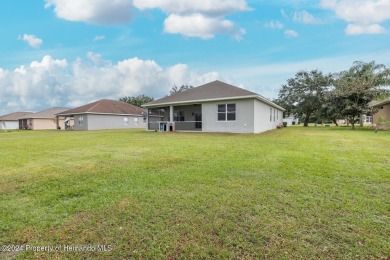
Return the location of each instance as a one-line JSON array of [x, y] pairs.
[[354, 29], [209, 7], [93, 11], [207, 15], [31, 39], [197, 25], [193, 18], [291, 34], [274, 25], [57, 82], [305, 17], [99, 38], [364, 17]]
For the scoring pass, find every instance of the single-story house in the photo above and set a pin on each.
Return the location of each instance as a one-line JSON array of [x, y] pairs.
[[42, 120], [383, 113], [105, 114], [214, 107], [11, 121], [291, 120]]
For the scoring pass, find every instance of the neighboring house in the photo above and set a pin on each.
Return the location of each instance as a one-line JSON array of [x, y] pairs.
[[11, 121], [42, 120], [105, 114], [383, 108], [214, 107], [291, 120]]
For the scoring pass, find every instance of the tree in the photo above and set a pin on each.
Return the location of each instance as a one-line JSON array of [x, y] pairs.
[[175, 89], [358, 86], [304, 93], [330, 107], [137, 101]]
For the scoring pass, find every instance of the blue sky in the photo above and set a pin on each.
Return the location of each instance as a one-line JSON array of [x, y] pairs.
[[68, 53]]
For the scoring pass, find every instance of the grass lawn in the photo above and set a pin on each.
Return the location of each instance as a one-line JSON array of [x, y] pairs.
[[290, 193]]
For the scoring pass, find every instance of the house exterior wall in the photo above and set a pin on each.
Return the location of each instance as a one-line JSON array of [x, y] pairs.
[[83, 125], [9, 125], [100, 122], [263, 118], [244, 122], [45, 124], [382, 112]]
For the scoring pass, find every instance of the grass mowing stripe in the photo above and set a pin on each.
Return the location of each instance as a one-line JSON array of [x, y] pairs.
[[291, 193]]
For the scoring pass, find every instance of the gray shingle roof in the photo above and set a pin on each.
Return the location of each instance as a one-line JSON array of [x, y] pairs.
[[380, 103], [215, 90], [47, 113], [105, 106], [14, 116]]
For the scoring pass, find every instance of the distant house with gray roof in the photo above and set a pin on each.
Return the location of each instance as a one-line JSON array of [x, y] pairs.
[[42, 120], [104, 114], [11, 121], [214, 107]]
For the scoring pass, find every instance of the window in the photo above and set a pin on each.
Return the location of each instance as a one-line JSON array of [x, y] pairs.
[[274, 114], [270, 114], [81, 120], [135, 120], [178, 116], [227, 112], [126, 121]]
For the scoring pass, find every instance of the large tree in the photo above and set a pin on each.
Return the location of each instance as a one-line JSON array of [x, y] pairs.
[[176, 89], [357, 87], [138, 100], [330, 108], [304, 94]]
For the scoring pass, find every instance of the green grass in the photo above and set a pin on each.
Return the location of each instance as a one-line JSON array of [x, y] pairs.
[[290, 193]]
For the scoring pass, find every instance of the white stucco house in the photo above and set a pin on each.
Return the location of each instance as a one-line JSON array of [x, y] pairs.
[[104, 114], [291, 120], [11, 121], [214, 107]]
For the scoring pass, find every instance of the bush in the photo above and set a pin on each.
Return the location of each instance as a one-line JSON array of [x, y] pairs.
[[285, 124]]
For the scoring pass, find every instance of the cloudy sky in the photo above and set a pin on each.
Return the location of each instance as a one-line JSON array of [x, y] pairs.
[[68, 53]]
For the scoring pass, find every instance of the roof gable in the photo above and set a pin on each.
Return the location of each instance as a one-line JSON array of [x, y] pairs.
[[215, 90], [46, 114], [106, 106], [212, 90], [14, 116]]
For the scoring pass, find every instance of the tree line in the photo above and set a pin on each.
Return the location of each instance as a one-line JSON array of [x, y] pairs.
[[143, 99], [333, 96]]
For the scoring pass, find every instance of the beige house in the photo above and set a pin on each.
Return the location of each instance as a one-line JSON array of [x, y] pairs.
[[383, 108], [42, 120]]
